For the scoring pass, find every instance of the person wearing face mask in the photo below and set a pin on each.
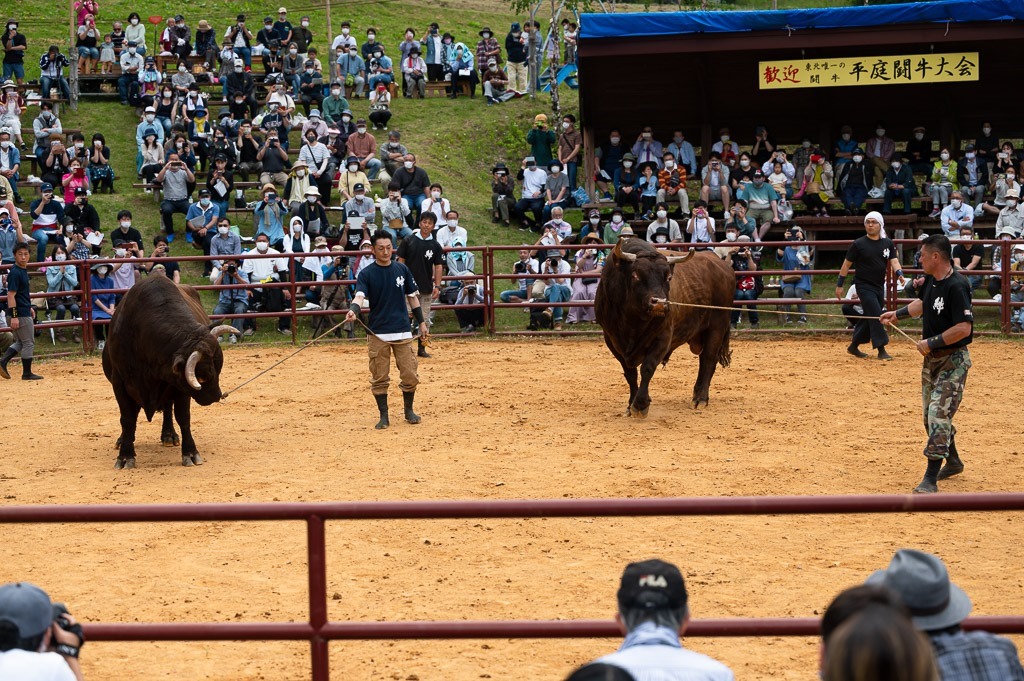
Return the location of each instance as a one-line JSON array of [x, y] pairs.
[[987, 145], [844, 147], [762, 204], [367, 49], [944, 173], [344, 40], [62, 278], [175, 177], [125, 274], [517, 53], [240, 85], [149, 82], [1016, 296], [74, 180], [1010, 220], [972, 175], [364, 147], [182, 79], [311, 85], [132, 64], [335, 104], [672, 183], [956, 216], [350, 177], [380, 107], [453, 232], [302, 37], [556, 189], [282, 27], [682, 152], [313, 213], [570, 144], [647, 150], [362, 206], [967, 255], [224, 245], [436, 203], [291, 67], [414, 75], [181, 37], [270, 213], [607, 159], [10, 232], [81, 214], [201, 225], [487, 49], [273, 158], [700, 226], [200, 134], [127, 233], [381, 69], [263, 269], [318, 158], [103, 304], [899, 185], [392, 155], [880, 152], [726, 148], [919, 151], [589, 262], [296, 240], [10, 163], [503, 200], [613, 229], [667, 228], [434, 57], [534, 180], [855, 181], [714, 181], [801, 159], [299, 180], [51, 70], [414, 183]]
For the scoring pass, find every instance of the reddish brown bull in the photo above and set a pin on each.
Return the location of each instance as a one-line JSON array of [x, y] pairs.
[[642, 330], [161, 354]]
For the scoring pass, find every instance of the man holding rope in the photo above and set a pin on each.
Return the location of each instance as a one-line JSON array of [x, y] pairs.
[[945, 302], [870, 255], [386, 286]]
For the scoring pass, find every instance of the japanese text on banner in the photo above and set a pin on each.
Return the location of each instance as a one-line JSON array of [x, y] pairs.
[[950, 67]]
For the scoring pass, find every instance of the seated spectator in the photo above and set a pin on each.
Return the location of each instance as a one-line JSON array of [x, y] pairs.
[[878, 643], [653, 613], [899, 184], [614, 228], [817, 185], [802, 159], [744, 259], [1017, 289], [1001, 186], [294, 193], [312, 213], [351, 69], [607, 159], [395, 213], [45, 125], [200, 136], [590, 263], [149, 83], [556, 189], [683, 152], [663, 230], [495, 83], [672, 184], [291, 68], [938, 607], [762, 203], [919, 152], [354, 230], [549, 237], [34, 643], [103, 304], [176, 179], [81, 214], [10, 162], [534, 182], [47, 216], [553, 287], [451, 232], [473, 318], [627, 184], [311, 86], [647, 187], [101, 174], [380, 107], [12, 105], [224, 245], [503, 201], [967, 256], [241, 88], [266, 299], [87, 42], [364, 147], [414, 74], [647, 150], [880, 152], [55, 162], [270, 213], [297, 241], [700, 226], [525, 266], [278, 122], [61, 278], [436, 204], [843, 150], [855, 182], [783, 171], [232, 300], [1006, 159], [362, 204], [972, 175], [10, 232], [350, 178], [727, 150], [179, 38], [460, 263], [943, 174], [463, 70], [381, 70], [335, 296], [715, 182], [1010, 220], [742, 174], [201, 225], [956, 216], [273, 159], [152, 153], [182, 80], [51, 69], [764, 146], [794, 285], [135, 32]]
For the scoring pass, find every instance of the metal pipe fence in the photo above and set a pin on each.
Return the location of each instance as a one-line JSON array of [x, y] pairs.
[[318, 630], [293, 283]]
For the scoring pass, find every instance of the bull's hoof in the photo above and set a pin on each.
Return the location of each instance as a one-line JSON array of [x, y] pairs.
[[170, 440], [127, 462], [698, 403], [192, 459], [639, 413]]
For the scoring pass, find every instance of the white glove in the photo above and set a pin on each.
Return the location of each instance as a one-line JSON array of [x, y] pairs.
[[181, 41]]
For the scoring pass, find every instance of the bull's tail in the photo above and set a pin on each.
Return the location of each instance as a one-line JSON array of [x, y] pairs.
[[724, 351]]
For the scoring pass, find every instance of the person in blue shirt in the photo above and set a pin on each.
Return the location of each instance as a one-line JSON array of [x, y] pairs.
[[843, 151], [381, 68], [390, 290], [683, 151], [19, 308], [269, 214], [795, 257], [232, 300]]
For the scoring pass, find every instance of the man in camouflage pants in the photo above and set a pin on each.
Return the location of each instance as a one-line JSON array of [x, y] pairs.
[[945, 302]]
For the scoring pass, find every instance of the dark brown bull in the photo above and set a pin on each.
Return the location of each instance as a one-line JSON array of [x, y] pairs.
[[161, 354], [642, 330]]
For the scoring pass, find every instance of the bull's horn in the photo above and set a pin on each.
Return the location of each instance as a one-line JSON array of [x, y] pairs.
[[218, 331], [676, 259], [190, 370], [628, 257]]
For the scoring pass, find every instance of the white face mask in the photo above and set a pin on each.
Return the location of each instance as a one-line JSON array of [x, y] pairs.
[[5, 144], [126, 225], [647, 135], [336, 91], [957, 203], [346, 119], [135, 22], [371, 37], [305, 24], [730, 236], [293, 51], [669, 165], [627, 164], [79, 145], [806, 144], [435, 195], [617, 219], [595, 221], [744, 163], [970, 155], [896, 165], [120, 252], [309, 70], [919, 136], [311, 199], [1009, 177], [944, 156], [300, 173], [361, 130], [858, 158], [662, 214], [262, 246], [846, 137], [204, 202], [453, 224], [409, 165], [296, 229], [565, 125], [223, 231], [880, 132], [986, 131], [344, 31], [101, 271], [614, 140], [725, 138], [353, 168], [1011, 203], [60, 257], [150, 118]]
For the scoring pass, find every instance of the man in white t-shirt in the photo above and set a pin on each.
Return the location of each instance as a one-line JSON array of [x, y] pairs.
[[35, 646], [653, 613]]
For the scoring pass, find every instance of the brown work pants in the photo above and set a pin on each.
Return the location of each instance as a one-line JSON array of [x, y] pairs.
[[380, 365]]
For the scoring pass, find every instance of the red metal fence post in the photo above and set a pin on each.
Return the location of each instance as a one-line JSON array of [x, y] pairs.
[[317, 557], [85, 284], [1004, 304]]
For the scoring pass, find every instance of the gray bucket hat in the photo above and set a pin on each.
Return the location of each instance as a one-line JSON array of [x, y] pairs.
[[922, 583]]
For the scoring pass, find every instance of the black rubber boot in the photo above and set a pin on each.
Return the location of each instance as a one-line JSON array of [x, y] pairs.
[[8, 355], [953, 466], [856, 352], [410, 415], [382, 407], [422, 349], [26, 371], [927, 485]]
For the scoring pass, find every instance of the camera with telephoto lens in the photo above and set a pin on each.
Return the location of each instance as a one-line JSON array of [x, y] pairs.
[[519, 267], [231, 269]]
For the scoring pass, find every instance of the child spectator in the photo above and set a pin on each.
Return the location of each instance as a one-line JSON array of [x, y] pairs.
[[779, 182], [648, 190], [107, 55]]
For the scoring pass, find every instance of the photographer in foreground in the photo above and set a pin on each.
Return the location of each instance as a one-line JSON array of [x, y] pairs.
[[38, 639], [232, 300]]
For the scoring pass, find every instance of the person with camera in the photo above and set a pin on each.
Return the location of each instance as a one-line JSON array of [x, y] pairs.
[[335, 296], [56, 161], [663, 230], [589, 262], [469, 318], [47, 217], [10, 232], [38, 639], [61, 278], [424, 257], [232, 300], [715, 182], [552, 285], [794, 285], [744, 258], [525, 267], [175, 177], [273, 157], [170, 267]]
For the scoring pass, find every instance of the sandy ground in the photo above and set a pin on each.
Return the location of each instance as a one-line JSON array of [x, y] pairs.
[[501, 420]]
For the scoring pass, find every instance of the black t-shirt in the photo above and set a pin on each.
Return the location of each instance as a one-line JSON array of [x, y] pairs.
[[420, 256], [967, 253], [131, 234], [14, 56], [17, 281], [870, 257], [170, 267], [947, 302]]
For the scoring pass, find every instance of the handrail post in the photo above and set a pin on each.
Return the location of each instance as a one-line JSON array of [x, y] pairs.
[[492, 327], [291, 287], [1004, 305], [85, 284], [488, 286], [317, 567]]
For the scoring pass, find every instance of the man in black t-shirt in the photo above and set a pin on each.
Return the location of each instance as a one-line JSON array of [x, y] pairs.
[[967, 256], [424, 257], [870, 255], [945, 302], [19, 309]]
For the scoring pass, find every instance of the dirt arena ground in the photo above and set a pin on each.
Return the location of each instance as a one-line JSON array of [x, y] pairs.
[[501, 420]]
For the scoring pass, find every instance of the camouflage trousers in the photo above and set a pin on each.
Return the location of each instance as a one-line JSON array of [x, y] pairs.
[[942, 388]]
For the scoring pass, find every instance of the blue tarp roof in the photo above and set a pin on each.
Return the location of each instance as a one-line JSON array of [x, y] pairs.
[[640, 24]]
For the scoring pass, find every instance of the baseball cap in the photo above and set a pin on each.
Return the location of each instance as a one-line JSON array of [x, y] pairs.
[[46, 187], [359, 187], [320, 242], [204, 192], [81, 191], [652, 585], [27, 607], [758, 173]]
